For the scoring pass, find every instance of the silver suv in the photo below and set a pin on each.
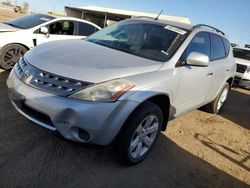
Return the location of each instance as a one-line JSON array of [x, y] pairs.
[[123, 83]]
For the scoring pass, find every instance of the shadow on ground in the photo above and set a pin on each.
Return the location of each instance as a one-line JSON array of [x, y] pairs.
[[31, 156], [225, 151], [237, 109]]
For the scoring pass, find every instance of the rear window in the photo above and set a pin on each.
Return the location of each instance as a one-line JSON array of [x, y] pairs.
[[217, 47], [241, 53]]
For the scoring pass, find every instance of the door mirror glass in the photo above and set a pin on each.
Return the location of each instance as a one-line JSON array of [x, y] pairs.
[[198, 59], [44, 30]]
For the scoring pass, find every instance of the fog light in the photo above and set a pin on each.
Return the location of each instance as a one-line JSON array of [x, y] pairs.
[[83, 135]]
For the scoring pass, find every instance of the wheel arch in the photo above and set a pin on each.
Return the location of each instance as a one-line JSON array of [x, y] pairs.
[[163, 101], [230, 81], [16, 43]]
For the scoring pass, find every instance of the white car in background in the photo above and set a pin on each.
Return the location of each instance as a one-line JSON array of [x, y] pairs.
[[242, 59], [20, 35]]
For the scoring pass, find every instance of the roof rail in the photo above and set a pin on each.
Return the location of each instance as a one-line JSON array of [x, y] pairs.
[[208, 26]]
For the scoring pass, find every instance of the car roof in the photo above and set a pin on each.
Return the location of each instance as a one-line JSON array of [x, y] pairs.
[[70, 18], [53, 16], [60, 17], [186, 26], [165, 22]]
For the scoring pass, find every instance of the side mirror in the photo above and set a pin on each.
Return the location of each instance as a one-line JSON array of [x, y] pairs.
[[198, 59], [44, 30]]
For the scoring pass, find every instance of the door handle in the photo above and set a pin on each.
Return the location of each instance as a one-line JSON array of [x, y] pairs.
[[210, 74]]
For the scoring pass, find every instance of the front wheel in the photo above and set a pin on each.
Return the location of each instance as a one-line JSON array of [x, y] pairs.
[[139, 134], [10, 55]]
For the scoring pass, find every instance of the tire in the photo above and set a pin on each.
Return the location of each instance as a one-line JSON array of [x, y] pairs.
[[10, 54], [135, 131], [215, 106]]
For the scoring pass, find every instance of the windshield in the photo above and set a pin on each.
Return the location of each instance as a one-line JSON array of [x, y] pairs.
[[29, 21], [147, 40], [241, 53]]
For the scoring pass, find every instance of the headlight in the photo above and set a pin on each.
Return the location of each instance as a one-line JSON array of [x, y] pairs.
[[107, 91]]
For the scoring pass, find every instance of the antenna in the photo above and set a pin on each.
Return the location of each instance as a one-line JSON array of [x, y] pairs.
[[159, 15]]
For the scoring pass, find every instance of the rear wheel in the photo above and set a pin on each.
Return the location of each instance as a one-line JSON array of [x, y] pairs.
[[215, 106], [10, 54], [139, 134]]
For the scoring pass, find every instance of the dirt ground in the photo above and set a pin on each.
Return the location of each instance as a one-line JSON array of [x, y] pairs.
[[6, 14], [197, 150]]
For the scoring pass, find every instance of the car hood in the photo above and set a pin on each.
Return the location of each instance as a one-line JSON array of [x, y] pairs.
[[6, 28], [242, 61], [86, 61]]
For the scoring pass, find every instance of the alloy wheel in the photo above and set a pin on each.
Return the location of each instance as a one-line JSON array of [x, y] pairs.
[[222, 98], [12, 56], [144, 136]]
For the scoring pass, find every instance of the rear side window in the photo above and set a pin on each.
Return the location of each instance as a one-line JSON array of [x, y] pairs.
[[200, 43], [217, 47], [86, 29], [226, 45]]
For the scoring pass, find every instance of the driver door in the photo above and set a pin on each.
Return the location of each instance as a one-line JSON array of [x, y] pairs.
[[194, 80], [59, 30]]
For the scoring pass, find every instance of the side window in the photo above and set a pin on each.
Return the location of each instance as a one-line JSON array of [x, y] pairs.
[[86, 29], [226, 45], [62, 28], [217, 47], [200, 43]]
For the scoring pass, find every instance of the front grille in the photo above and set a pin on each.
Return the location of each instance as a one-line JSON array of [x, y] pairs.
[[241, 68], [20, 67], [48, 82]]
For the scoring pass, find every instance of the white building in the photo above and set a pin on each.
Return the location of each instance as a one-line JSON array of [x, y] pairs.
[[106, 16]]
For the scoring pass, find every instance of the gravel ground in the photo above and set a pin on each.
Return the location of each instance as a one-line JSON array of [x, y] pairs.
[[197, 150]]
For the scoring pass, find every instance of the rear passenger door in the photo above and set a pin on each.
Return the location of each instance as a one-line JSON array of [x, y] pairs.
[[218, 62], [194, 81]]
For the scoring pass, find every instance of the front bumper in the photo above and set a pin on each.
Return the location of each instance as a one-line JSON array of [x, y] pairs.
[[102, 121], [241, 82]]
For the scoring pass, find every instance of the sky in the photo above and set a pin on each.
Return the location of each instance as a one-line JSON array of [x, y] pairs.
[[230, 16]]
